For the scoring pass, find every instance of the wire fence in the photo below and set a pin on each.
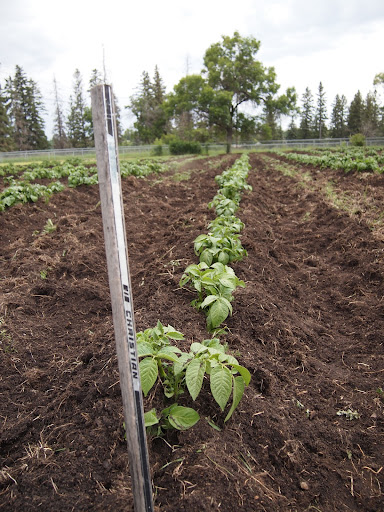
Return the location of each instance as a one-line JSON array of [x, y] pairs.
[[206, 148]]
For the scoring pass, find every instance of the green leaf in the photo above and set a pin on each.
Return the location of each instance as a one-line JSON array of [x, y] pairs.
[[238, 390], [169, 356], [180, 364], [150, 418], [200, 238], [213, 424], [144, 349], [194, 377], [168, 388], [227, 358], [182, 418], [228, 282], [168, 352], [174, 335], [148, 374], [208, 300], [206, 256], [221, 385], [218, 312], [184, 280], [220, 267], [197, 347], [208, 281], [223, 257], [243, 372], [159, 329]]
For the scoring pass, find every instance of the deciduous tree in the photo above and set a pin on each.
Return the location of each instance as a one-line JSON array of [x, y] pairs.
[[231, 78], [236, 77], [277, 106]]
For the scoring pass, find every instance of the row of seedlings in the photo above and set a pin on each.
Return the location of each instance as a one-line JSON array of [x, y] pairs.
[[214, 280], [21, 180]]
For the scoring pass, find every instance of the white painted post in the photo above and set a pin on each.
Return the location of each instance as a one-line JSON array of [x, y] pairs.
[[104, 124]]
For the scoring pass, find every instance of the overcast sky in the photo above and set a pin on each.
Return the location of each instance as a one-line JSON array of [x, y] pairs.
[[337, 42]]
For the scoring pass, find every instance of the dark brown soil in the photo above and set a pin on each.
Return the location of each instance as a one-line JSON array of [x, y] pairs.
[[309, 326]]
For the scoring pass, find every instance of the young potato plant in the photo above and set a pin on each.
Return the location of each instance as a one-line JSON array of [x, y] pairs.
[[221, 246], [24, 192], [224, 224], [222, 242], [223, 206], [140, 168], [232, 182], [173, 417], [215, 285], [157, 358], [178, 371]]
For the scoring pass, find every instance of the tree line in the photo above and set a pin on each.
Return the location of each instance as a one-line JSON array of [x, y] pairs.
[[204, 107]]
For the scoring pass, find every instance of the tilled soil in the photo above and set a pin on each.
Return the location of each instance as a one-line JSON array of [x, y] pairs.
[[309, 326]]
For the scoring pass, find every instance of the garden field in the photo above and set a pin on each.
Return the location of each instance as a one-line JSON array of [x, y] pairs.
[[308, 325]]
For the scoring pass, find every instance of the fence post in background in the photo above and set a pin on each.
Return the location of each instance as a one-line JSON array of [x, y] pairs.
[[104, 123]]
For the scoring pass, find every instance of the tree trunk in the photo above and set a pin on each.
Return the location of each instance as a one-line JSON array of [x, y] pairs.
[[229, 138]]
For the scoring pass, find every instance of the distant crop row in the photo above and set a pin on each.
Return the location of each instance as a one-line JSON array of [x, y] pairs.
[[356, 159], [22, 181]]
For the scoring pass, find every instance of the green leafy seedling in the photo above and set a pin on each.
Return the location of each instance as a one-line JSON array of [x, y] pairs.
[[222, 247], [178, 371], [215, 285], [175, 417], [158, 355]]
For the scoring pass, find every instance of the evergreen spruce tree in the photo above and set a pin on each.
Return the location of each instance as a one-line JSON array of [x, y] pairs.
[[147, 106], [271, 128], [25, 111], [321, 114], [293, 131], [77, 117], [96, 79], [6, 139], [371, 116], [16, 94], [36, 134], [307, 121], [159, 116], [140, 106], [356, 114], [60, 139], [158, 87], [338, 126]]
